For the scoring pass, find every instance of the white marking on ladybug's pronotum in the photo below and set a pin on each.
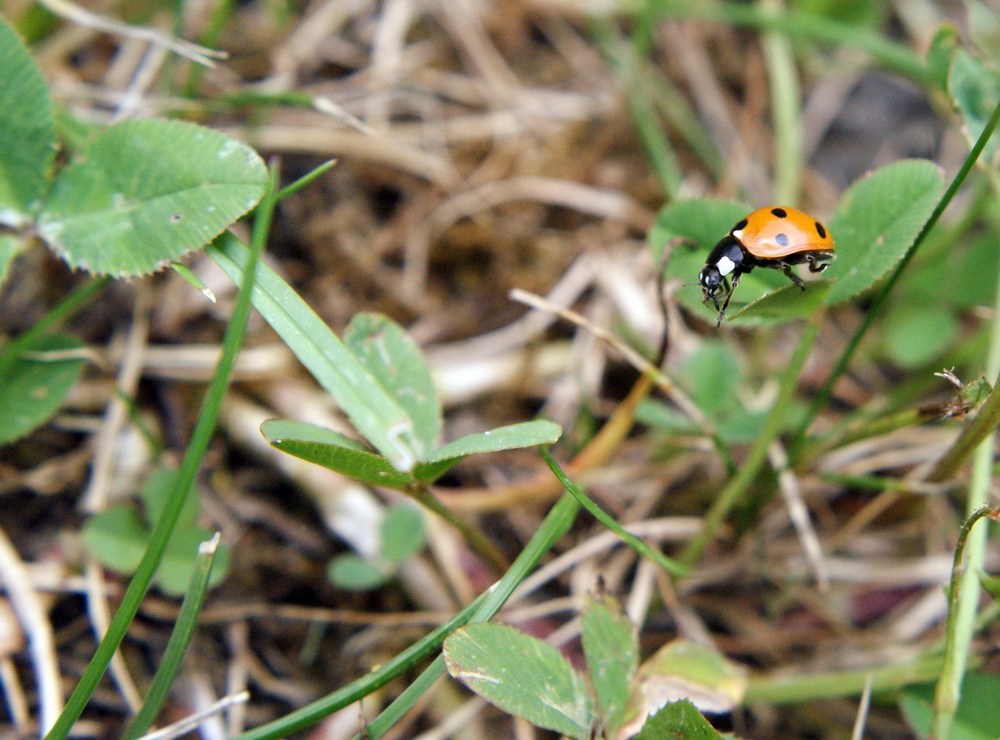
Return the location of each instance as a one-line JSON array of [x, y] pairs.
[[725, 265], [738, 234]]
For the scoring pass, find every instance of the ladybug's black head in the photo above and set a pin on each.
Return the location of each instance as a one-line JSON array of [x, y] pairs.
[[711, 283], [726, 258]]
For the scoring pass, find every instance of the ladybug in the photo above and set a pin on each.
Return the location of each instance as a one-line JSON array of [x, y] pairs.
[[776, 237]]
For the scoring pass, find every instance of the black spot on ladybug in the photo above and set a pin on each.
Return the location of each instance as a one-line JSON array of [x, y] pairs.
[[820, 230], [782, 239], [779, 213], [740, 226]]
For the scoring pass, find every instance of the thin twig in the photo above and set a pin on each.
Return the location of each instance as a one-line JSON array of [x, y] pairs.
[[799, 514], [83, 17], [188, 724], [34, 621]]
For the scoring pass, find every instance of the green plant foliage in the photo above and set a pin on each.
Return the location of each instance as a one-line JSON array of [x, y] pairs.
[[511, 437], [378, 353], [352, 572], [915, 337], [857, 12], [991, 585], [783, 304], [683, 669], [611, 647], [350, 458], [183, 631], [334, 451], [984, 27], [531, 679], [118, 537], [972, 281], [28, 126], [373, 397], [144, 192], [700, 222], [389, 354], [940, 52], [522, 675], [974, 87], [402, 533], [678, 720], [876, 223], [961, 275], [712, 373], [32, 387], [376, 414], [978, 715]]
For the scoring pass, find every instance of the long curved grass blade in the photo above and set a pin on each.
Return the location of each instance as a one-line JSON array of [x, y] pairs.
[[180, 638]]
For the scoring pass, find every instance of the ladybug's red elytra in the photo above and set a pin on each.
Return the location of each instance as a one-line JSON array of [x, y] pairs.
[[775, 237]]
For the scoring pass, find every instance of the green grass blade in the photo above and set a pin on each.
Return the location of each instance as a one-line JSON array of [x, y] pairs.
[[201, 436], [180, 638], [305, 179], [312, 713], [556, 524], [629, 63], [805, 25], [965, 590], [963, 600], [670, 567], [786, 105], [379, 418]]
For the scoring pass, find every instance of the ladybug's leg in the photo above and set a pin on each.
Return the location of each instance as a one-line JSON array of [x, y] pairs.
[[725, 305], [815, 265], [787, 269]]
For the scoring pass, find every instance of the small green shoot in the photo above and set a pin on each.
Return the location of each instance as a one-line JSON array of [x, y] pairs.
[[378, 350], [668, 565], [193, 280]]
